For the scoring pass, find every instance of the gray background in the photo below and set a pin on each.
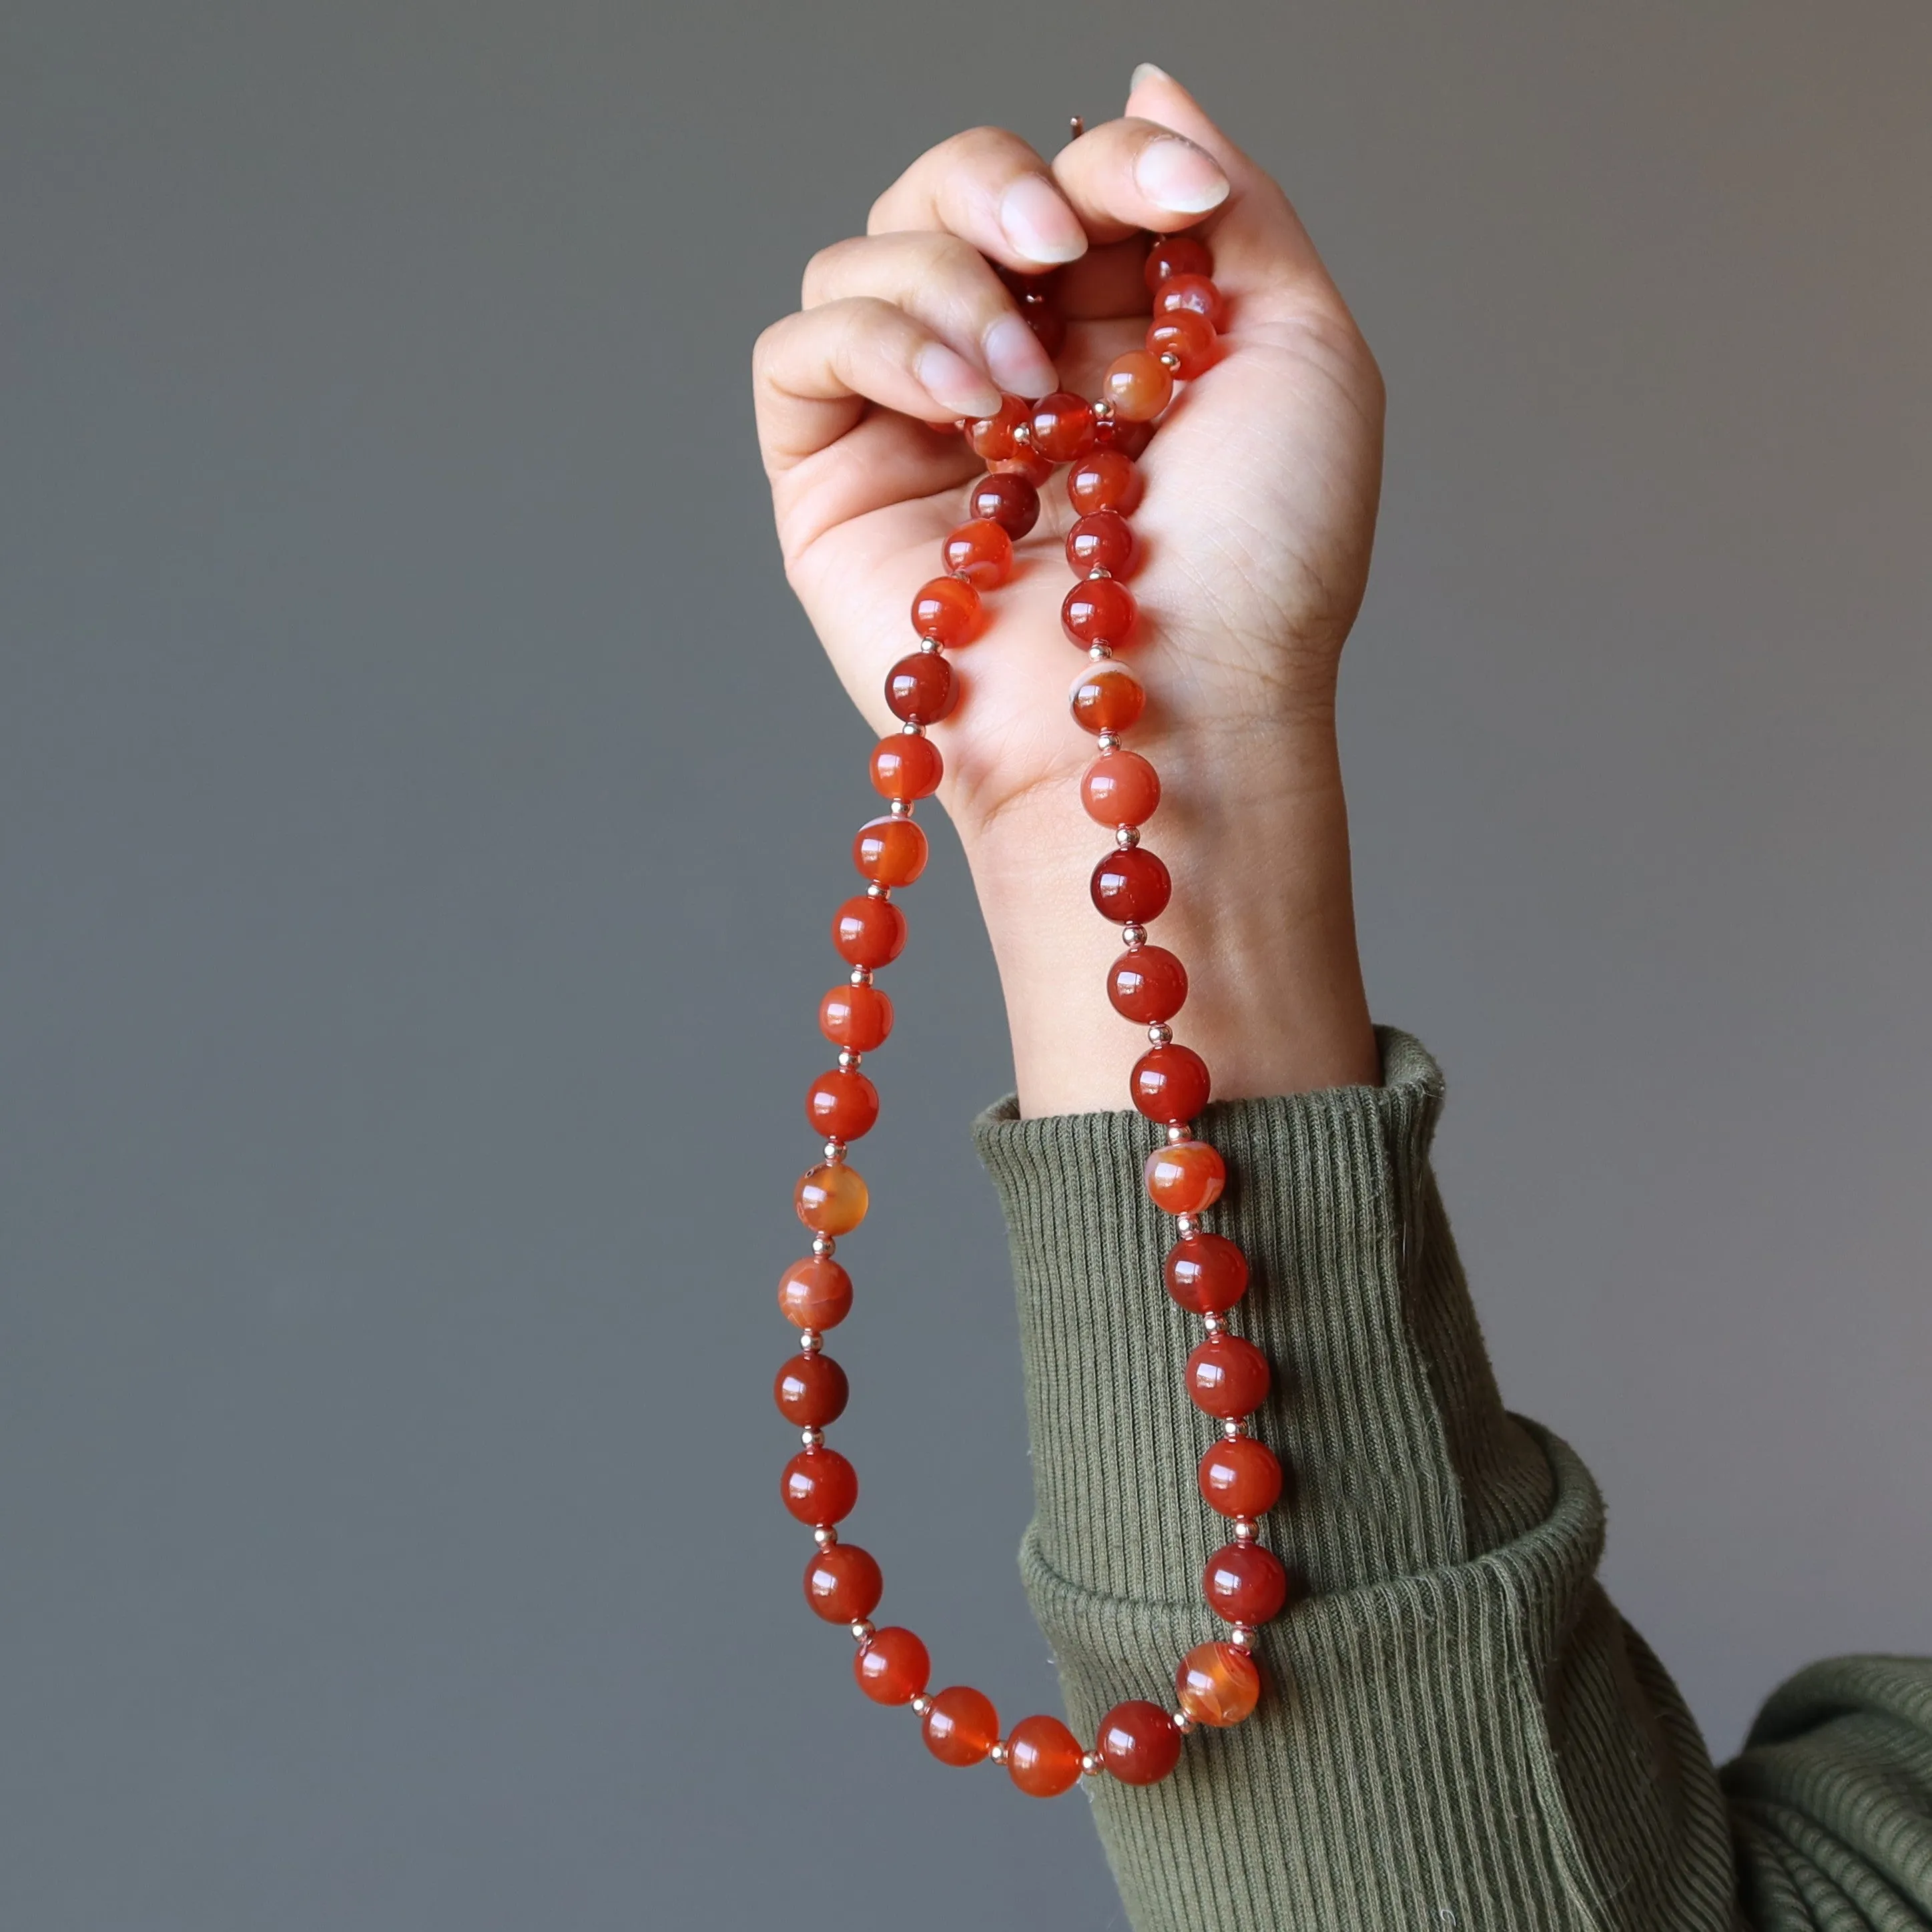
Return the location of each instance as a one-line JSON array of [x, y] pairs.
[[420, 803]]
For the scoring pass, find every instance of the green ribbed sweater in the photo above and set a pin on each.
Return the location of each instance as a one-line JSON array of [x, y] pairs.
[[1460, 1729]]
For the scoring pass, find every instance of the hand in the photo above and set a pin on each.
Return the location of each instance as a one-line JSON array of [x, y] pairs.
[[1255, 532]]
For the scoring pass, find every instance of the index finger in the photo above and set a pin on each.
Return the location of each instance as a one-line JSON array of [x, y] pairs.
[[990, 188]]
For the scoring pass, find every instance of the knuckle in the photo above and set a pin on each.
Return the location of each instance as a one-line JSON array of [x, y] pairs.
[[825, 266]]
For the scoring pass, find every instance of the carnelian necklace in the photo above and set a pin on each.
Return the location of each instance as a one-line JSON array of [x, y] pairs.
[[1217, 1683]]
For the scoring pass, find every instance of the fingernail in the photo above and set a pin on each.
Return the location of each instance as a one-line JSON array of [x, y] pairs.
[[1019, 365], [1147, 70], [1038, 224], [953, 380], [1176, 174]]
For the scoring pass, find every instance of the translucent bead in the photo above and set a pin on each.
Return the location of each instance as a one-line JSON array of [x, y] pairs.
[[1194, 292], [1104, 479], [1101, 540], [831, 1200], [889, 851], [1106, 699], [1186, 335], [1129, 438], [1028, 463], [842, 1105], [980, 551], [1217, 1685], [810, 1392], [946, 610], [842, 1583], [1063, 426], [1177, 255], [1170, 1083], [1043, 1757], [1138, 1742], [1148, 986], [1241, 1478], [820, 1487], [906, 767], [857, 1018], [1098, 611], [1007, 498], [1138, 384], [1131, 886], [814, 1294], [868, 931], [891, 1666], [991, 437], [1245, 1584], [921, 688], [1120, 788], [1206, 1273], [1227, 1377], [1185, 1177], [962, 1727]]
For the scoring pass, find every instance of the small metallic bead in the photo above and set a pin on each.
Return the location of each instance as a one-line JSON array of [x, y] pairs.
[[823, 1247], [1133, 935], [1246, 1530], [825, 1536], [1161, 1034], [810, 1341], [1100, 651], [1185, 1225], [1023, 433], [1170, 361], [1178, 1132], [1242, 1637], [834, 1153], [848, 1060], [861, 1628], [860, 976], [930, 646], [999, 1754], [914, 731], [1183, 1722], [1127, 837], [1092, 1764], [1234, 1430], [1099, 570], [921, 1705], [901, 808], [1103, 409], [813, 1438], [959, 577], [1107, 742], [1215, 1327], [876, 891]]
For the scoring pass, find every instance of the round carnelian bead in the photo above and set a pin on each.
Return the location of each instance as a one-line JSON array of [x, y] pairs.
[[980, 551], [1217, 1685], [921, 688], [842, 1583], [831, 1200], [892, 1667], [1177, 255], [1103, 479], [889, 851], [1132, 885], [907, 765], [1029, 464], [1186, 335], [1007, 498], [868, 931], [820, 1487], [857, 1018], [1206, 1273], [1148, 985], [1185, 1177], [1170, 1083], [814, 1294], [1120, 788], [1138, 1742], [1244, 1583], [811, 1391], [1101, 540], [1138, 384], [946, 610], [962, 1727], [1241, 1477], [1130, 439], [1097, 611], [992, 436], [1194, 292], [1043, 1757], [1227, 1377], [1106, 699], [1063, 426], [842, 1105]]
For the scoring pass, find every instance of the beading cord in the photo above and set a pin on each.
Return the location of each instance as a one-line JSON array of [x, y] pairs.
[[1216, 1683]]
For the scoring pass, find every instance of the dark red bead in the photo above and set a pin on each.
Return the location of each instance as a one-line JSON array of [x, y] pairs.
[[1100, 541], [1103, 479], [1131, 886], [842, 1105], [842, 1583], [1147, 986], [1063, 426], [810, 1392], [1139, 1743], [1207, 1274], [1241, 1477], [858, 1018], [1227, 1377], [868, 931], [1245, 1583], [1098, 610], [1129, 438], [1007, 498], [891, 1666], [921, 688], [1047, 323], [1177, 255], [1170, 1083], [820, 1487]]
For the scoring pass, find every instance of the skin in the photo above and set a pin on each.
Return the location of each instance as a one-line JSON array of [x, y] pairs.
[[1255, 531]]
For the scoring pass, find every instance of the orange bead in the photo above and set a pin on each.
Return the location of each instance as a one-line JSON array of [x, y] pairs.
[[889, 851], [962, 1727], [1217, 1685], [1227, 1377], [1028, 463], [1104, 479], [820, 1487], [811, 1391], [1121, 788], [1177, 255], [1132, 885], [980, 551], [1106, 699], [1207, 1274], [1169, 1083], [831, 1200], [1148, 985], [1138, 384], [921, 688], [814, 1294], [1098, 610], [1186, 335], [946, 610], [1185, 1177], [991, 436], [842, 1105], [1246, 1584], [868, 931], [1138, 1742], [1241, 1478], [1007, 498], [842, 1583], [906, 765], [891, 1666], [857, 1018], [1101, 540], [1194, 292], [1043, 1757], [1063, 426]]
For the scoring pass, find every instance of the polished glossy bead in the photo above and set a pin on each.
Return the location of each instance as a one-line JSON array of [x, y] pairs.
[[946, 610], [841, 1106], [811, 1391], [1186, 335], [962, 1727], [1170, 1083], [921, 688], [1098, 611], [1043, 1757], [1217, 1685], [1131, 885], [891, 1666], [1028, 463], [1185, 1177], [1130, 439], [1103, 479], [814, 1294], [1177, 255], [1227, 1377], [906, 765], [1206, 1273], [831, 1200], [1063, 426], [868, 931], [1121, 788], [1007, 498], [991, 436], [1241, 1477], [857, 1018], [1147, 986], [980, 551], [1138, 1743], [1106, 699], [1100, 541], [1194, 292], [1138, 384], [842, 1583], [889, 851], [819, 1485], [1245, 1584]]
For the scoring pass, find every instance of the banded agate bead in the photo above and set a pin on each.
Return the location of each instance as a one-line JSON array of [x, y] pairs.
[[1217, 1685]]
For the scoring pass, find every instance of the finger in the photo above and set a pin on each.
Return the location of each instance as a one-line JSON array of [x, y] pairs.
[[1127, 176], [988, 187]]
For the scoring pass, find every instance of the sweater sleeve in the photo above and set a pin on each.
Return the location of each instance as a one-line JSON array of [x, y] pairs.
[[1458, 1729]]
